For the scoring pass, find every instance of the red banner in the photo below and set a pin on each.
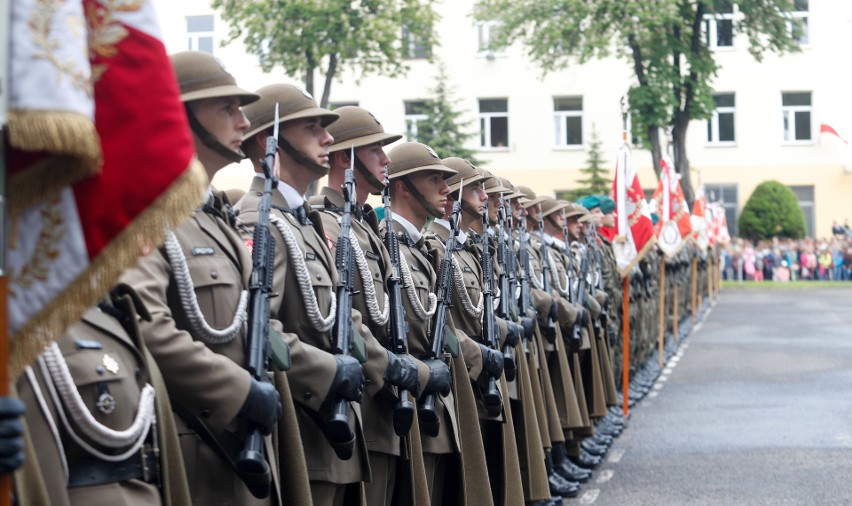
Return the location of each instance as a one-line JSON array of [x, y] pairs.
[[634, 230]]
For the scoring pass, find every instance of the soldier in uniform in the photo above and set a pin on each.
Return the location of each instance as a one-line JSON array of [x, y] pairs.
[[194, 287], [468, 313], [100, 427], [357, 128], [453, 454], [304, 269]]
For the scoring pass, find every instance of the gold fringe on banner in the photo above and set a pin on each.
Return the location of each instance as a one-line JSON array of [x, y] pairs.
[[73, 153], [168, 211], [639, 256]]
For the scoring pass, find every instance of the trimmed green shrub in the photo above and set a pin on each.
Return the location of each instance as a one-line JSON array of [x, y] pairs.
[[772, 211]]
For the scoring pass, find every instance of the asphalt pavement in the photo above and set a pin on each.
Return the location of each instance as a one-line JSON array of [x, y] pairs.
[[754, 409]]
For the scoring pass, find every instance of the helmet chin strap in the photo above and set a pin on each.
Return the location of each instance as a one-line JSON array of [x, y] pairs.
[[469, 208], [429, 208], [210, 141], [301, 158], [368, 176]]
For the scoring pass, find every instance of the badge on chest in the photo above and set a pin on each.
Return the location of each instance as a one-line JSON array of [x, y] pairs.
[[200, 251]]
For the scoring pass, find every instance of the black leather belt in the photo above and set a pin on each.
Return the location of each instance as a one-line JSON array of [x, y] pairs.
[[87, 472]]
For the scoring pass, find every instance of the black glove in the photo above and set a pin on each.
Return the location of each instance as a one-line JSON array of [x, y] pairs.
[[262, 406], [528, 325], [513, 333], [11, 430], [349, 379], [402, 372], [439, 376], [492, 361]]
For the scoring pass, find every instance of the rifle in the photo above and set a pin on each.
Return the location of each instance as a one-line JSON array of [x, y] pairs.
[[509, 364], [550, 327], [492, 399], [403, 411], [523, 275], [251, 461], [427, 411], [338, 431], [599, 270], [576, 338]]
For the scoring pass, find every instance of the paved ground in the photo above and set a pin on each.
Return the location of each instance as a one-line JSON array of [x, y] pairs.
[[756, 408]]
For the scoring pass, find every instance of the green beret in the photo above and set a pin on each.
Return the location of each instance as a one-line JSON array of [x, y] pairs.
[[654, 218], [607, 205], [590, 201]]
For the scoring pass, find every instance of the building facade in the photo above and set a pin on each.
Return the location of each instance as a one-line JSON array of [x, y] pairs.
[[772, 120]]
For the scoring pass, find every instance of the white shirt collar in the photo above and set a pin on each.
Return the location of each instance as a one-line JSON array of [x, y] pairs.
[[409, 227], [290, 194], [462, 237]]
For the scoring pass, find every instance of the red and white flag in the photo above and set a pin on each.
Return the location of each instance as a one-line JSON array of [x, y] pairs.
[[828, 129], [721, 236], [634, 230], [101, 158], [699, 219], [674, 227]]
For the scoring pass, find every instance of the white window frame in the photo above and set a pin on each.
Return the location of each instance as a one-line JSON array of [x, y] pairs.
[[410, 43], [788, 115], [485, 121], [714, 122], [710, 27], [561, 116], [411, 121], [194, 38], [805, 39], [483, 39]]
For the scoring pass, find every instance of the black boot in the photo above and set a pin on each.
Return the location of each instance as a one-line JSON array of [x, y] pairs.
[[586, 460], [559, 485], [595, 449], [566, 468]]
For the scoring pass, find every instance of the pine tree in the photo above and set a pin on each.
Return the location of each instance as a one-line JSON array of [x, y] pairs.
[[594, 183], [444, 130]]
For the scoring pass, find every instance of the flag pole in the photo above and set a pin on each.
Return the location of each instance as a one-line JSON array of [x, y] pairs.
[[625, 308], [662, 307], [5, 22], [694, 285]]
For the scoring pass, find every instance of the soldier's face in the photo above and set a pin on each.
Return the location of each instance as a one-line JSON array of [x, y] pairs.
[[475, 197], [374, 158], [597, 215], [308, 136], [493, 207], [608, 220], [223, 118], [517, 210], [432, 186], [574, 227]]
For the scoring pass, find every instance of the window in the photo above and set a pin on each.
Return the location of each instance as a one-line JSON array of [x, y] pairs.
[[805, 196], [796, 111], [199, 31], [568, 121], [725, 194], [416, 114], [414, 45], [493, 123], [720, 126], [719, 26], [800, 13], [488, 32]]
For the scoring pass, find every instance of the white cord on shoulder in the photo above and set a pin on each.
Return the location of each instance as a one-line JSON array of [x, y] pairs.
[[199, 327], [379, 317], [461, 290], [51, 423], [64, 393], [560, 287], [320, 323], [421, 312]]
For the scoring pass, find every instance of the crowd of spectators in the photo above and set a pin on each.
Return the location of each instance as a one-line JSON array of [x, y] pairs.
[[783, 260]]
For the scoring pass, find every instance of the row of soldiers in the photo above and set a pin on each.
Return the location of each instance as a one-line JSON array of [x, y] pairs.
[[459, 351]]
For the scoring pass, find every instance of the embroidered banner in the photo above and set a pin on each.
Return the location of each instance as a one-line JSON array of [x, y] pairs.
[[674, 227], [634, 230], [101, 158]]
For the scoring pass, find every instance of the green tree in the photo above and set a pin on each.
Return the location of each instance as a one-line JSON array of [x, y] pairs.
[[444, 128], [664, 41], [594, 183], [772, 210], [302, 36]]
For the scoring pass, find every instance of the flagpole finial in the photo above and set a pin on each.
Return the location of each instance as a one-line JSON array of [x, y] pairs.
[[625, 106]]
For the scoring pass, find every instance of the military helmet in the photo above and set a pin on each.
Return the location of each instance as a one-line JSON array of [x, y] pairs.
[[571, 209], [531, 197], [493, 184], [550, 205], [357, 127], [514, 193], [200, 76], [410, 157], [293, 103], [466, 173]]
